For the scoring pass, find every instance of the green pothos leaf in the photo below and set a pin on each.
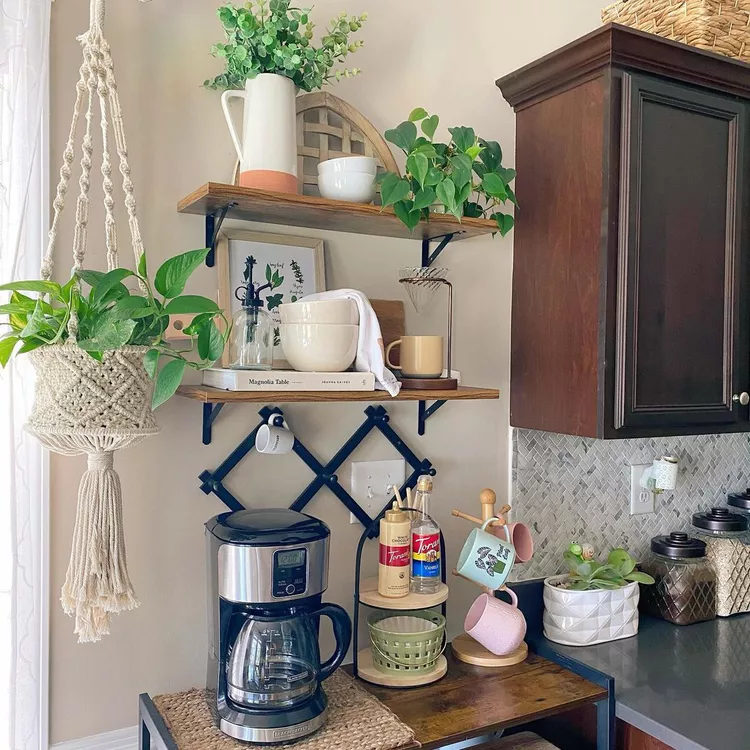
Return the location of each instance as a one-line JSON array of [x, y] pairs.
[[151, 361], [167, 382]]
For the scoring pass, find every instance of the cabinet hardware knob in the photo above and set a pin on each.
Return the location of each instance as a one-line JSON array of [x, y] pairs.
[[743, 398]]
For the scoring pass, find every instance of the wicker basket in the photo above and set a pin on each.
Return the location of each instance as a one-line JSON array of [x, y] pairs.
[[721, 26], [400, 645]]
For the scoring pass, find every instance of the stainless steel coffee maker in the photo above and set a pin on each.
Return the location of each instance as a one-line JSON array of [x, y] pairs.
[[268, 570]]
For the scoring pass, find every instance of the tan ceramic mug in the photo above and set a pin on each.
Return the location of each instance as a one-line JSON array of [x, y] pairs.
[[421, 356]]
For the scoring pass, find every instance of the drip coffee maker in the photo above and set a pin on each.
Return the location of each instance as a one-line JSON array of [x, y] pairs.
[[268, 570]]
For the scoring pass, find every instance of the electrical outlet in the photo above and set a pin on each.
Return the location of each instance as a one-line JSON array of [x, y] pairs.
[[372, 482], [641, 499]]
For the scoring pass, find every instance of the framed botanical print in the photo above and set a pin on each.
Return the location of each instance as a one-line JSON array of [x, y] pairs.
[[293, 266]]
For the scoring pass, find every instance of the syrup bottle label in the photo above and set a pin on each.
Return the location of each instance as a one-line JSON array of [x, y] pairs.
[[425, 555], [394, 557]]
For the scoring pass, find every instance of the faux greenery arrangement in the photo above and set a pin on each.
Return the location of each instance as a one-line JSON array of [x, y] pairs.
[[465, 176], [586, 574], [111, 316], [273, 37]]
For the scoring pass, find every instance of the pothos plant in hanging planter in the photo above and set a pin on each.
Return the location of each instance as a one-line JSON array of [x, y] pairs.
[[464, 177], [111, 315]]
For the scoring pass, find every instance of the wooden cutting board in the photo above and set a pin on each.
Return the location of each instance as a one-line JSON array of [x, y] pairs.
[[392, 317]]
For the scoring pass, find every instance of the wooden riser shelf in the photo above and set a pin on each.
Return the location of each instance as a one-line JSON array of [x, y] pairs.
[[219, 396], [312, 212], [368, 595]]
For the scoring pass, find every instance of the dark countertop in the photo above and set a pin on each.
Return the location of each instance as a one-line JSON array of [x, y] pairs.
[[687, 686]]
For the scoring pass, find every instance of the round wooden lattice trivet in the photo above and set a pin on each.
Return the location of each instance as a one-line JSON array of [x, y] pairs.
[[356, 719]]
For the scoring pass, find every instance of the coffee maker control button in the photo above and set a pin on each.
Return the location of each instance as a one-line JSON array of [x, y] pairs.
[[290, 589]]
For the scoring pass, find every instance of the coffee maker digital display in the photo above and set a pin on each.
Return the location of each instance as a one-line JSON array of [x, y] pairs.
[[289, 572], [268, 570]]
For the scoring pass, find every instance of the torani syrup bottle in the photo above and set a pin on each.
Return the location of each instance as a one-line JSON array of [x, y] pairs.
[[425, 543], [393, 572]]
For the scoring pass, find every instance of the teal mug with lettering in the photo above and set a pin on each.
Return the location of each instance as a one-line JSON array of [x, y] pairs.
[[485, 558]]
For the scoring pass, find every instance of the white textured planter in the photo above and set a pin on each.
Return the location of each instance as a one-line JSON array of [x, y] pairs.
[[583, 618]]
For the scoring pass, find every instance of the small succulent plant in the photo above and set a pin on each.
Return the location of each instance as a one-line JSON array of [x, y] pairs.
[[586, 574]]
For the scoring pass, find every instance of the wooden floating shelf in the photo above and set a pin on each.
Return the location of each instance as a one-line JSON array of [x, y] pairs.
[[368, 672], [321, 213], [218, 396], [368, 594]]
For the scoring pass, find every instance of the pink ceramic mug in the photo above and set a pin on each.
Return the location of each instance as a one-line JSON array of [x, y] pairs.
[[498, 626], [520, 537]]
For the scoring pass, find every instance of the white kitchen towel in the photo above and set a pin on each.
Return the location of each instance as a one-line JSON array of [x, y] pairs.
[[370, 356]]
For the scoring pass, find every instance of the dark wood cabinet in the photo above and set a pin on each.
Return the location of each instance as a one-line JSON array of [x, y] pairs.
[[630, 314]]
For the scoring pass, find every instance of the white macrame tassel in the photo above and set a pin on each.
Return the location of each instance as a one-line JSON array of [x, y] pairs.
[[97, 584]]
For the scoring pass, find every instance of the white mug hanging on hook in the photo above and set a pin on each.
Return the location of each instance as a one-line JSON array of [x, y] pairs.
[[268, 147], [274, 438]]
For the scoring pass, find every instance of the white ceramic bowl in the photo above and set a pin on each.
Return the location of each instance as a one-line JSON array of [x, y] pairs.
[[325, 312], [349, 164], [316, 347], [353, 187]]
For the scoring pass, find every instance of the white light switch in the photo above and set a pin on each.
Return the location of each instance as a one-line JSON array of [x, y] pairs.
[[372, 482], [641, 500]]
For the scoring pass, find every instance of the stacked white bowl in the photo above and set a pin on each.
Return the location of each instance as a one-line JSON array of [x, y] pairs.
[[350, 178], [320, 336]]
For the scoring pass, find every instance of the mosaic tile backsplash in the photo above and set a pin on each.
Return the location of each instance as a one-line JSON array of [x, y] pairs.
[[569, 487]]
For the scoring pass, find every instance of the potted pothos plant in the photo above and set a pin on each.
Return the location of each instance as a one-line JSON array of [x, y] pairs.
[[594, 601], [464, 177], [112, 312], [269, 53]]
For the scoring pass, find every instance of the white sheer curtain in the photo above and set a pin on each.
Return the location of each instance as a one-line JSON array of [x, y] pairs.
[[24, 50]]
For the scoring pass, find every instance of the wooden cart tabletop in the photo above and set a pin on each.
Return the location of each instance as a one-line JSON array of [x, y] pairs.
[[471, 701]]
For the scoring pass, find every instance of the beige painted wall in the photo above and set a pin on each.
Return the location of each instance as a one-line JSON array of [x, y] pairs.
[[441, 55]]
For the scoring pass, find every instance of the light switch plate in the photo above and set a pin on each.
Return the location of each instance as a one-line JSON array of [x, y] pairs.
[[641, 500], [371, 483]]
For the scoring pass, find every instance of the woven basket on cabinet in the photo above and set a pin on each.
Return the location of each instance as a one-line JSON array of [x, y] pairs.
[[721, 26]]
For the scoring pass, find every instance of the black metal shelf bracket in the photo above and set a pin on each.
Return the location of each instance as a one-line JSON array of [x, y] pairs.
[[213, 227], [425, 413], [210, 412], [376, 418], [428, 258]]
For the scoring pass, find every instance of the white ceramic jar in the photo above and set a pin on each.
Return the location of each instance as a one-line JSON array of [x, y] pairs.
[[583, 618]]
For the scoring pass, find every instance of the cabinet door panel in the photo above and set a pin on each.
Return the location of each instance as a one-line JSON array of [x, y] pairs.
[[680, 348]]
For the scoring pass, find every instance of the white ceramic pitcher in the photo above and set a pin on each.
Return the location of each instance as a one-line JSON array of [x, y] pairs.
[[268, 149]]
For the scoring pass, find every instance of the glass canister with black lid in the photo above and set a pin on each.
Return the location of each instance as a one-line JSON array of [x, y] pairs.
[[728, 551], [739, 502], [684, 591]]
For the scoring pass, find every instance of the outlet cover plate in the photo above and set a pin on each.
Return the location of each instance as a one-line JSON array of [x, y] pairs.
[[371, 482], [641, 500]]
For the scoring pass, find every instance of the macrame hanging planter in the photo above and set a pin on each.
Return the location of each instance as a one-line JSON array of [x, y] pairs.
[[85, 406]]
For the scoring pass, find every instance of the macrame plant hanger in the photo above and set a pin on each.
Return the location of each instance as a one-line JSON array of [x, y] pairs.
[[82, 405]]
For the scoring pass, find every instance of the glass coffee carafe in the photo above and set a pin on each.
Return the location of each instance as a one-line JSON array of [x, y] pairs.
[[274, 662]]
